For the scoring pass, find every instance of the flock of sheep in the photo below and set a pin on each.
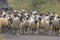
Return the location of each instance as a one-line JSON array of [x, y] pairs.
[[29, 21]]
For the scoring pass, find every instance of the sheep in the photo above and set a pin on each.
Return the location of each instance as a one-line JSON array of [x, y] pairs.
[[3, 24]]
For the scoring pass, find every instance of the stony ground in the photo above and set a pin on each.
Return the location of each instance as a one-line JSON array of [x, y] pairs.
[[29, 37]]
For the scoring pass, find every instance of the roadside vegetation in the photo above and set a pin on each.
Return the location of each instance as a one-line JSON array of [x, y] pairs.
[[41, 5]]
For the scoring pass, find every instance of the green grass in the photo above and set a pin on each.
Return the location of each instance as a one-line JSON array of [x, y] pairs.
[[27, 5], [21, 4]]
